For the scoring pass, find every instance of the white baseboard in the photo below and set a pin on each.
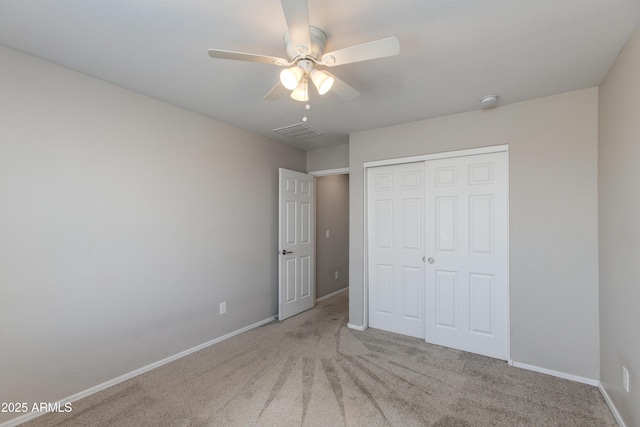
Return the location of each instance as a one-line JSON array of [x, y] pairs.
[[553, 373], [127, 376], [611, 406], [356, 327], [333, 294]]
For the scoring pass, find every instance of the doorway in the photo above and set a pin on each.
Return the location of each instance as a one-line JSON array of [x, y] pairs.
[[332, 234]]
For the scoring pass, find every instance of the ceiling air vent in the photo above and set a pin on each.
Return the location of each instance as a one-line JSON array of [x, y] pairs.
[[298, 131]]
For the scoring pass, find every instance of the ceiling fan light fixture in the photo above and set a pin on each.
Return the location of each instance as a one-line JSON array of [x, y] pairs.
[[322, 81], [290, 77], [305, 48], [300, 93]]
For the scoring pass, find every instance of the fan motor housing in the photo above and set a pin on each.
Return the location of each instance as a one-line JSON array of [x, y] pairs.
[[318, 43]]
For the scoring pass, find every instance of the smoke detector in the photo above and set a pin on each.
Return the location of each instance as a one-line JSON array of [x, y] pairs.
[[489, 101]]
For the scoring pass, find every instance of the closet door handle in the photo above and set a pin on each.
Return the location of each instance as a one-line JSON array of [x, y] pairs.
[[284, 252]]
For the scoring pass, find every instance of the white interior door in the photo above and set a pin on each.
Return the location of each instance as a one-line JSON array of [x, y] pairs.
[[297, 243], [396, 246], [467, 295]]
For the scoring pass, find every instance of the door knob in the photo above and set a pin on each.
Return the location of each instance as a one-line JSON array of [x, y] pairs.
[[431, 260], [284, 252]]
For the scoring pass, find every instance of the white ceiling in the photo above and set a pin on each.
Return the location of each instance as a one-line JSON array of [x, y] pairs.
[[453, 52]]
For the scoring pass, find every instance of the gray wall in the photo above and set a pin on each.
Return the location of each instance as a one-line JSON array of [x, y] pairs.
[[328, 158], [125, 222], [553, 217], [332, 213], [619, 215]]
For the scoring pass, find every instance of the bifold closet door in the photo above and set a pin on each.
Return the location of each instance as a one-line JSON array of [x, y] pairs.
[[395, 196], [466, 279], [438, 251]]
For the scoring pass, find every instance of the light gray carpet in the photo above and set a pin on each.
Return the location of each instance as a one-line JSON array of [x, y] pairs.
[[312, 370]]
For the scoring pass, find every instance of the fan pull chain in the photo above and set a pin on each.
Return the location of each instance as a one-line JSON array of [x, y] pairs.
[[306, 93], [304, 117]]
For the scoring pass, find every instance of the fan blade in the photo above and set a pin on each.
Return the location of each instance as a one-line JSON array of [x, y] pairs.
[[276, 92], [296, 13], [249, 57], [362, 52], [342, 89]]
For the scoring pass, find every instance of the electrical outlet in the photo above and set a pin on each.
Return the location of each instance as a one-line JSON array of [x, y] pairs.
[[326, 234], [336, 274], [625, 379], [223, 307]]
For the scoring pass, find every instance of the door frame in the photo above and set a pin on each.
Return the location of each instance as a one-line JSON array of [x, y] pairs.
[[420, 158], [327, 172]]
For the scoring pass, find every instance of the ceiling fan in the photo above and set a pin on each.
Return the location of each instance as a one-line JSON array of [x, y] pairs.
[[305, 46]]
